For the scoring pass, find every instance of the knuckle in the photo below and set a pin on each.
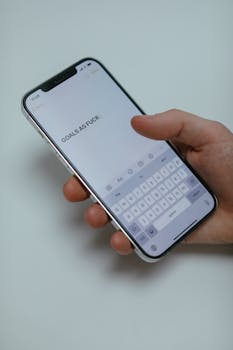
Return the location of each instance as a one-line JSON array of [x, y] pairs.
[[220, 131], [175, 112], [217, 125]]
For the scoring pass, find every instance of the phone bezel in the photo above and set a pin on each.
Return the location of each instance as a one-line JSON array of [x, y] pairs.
[[64, 159]]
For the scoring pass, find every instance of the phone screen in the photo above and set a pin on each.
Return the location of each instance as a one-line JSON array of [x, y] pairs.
[[144, 185]]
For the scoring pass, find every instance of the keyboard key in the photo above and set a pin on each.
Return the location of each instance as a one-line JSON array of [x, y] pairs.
[[142, 205], [131, 198], [151, 231], [149, 199], [144, 187], [143, 220], [128, 216], [116, 209], [171, 167], [170, 198], [158, 177], [156, 194], [135, 210], [169, 184], [172, 213], [164, 172], [183, 188], [163, 160], [176, 178], [157, 209], [195, 194], [142, 239], [164, 203], [151, 182], [177, 193], [150, 215], [123, 203], [134, 228], [117, 194], [137, 192], [177, 161], [192, 181], [162, 189], [153, 247], [182, 173]]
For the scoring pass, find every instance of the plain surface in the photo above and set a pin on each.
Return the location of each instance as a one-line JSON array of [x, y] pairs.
[[62, 287]]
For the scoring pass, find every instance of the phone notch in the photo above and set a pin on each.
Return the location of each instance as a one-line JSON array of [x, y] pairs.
[[59, 78]]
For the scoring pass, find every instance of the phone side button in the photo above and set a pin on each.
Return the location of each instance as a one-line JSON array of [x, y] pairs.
[[63, 162], [114, 224], [69, 170], [35, 127], [93, 198]]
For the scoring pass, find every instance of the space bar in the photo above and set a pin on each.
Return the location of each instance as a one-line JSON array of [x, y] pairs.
[[173, 212]]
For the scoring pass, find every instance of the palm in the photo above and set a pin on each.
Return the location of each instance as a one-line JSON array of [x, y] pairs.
[[215, 167]]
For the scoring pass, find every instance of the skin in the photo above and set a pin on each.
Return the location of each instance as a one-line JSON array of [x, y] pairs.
[[208, 147]]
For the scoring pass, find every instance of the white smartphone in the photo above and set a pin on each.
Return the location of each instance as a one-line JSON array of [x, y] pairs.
[[150, 193]]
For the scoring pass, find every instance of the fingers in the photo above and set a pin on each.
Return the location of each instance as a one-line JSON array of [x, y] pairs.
[[184, 127], [96, 216], [121, 244], [74, 191]]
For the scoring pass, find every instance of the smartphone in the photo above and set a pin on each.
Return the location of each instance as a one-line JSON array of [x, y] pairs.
[[150, 193]]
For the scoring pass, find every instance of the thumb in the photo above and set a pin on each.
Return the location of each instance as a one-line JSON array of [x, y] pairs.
[[182, 126]]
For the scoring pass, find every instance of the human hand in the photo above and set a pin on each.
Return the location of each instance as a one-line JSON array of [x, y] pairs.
[[207, 146]]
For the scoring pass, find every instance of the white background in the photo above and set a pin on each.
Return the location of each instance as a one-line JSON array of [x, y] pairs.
[[61, 285]]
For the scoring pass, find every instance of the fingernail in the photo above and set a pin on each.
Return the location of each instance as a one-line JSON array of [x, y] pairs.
[[144, 116]]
